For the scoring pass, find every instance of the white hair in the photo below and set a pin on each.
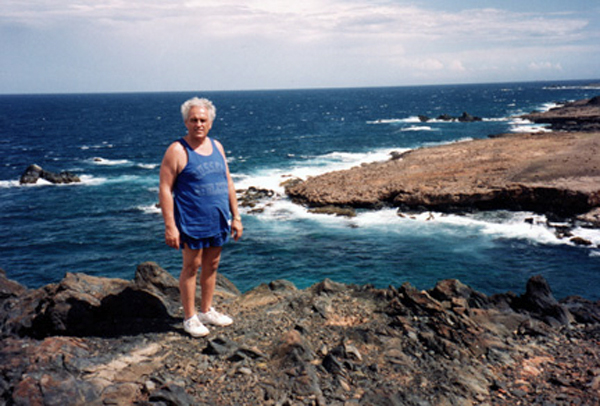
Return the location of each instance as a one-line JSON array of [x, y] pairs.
[[196, 102]]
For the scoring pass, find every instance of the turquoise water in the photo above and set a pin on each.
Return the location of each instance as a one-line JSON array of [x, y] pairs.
[[115, 142]]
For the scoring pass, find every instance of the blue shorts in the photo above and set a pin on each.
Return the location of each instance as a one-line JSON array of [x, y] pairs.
[[199, 243]]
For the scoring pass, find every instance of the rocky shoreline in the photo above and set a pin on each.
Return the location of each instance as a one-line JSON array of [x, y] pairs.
[[99, 341], [555, 173]]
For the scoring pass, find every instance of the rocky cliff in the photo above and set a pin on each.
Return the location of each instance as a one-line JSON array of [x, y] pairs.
[[556, 172], [98, 341]]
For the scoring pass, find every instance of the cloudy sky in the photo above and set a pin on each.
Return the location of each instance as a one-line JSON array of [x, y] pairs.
[[66, 46]]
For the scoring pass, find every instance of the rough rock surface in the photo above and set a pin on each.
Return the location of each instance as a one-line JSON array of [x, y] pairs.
[[548, 172], [581, 115], [35, 172], [556, 173], [330, 344]]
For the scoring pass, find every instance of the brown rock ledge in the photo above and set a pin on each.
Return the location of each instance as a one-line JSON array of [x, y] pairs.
[[330, 344], [546, 172], [557, 173]]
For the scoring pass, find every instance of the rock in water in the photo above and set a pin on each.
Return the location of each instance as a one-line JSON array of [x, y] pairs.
[[31, 174], [35, 172]]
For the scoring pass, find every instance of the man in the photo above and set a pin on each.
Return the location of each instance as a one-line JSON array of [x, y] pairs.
[[196, 197]]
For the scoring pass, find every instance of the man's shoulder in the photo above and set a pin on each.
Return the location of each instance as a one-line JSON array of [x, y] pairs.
[[176, 147]]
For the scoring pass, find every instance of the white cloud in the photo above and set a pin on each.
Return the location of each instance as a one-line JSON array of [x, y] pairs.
[[270, 43], [538, 66]]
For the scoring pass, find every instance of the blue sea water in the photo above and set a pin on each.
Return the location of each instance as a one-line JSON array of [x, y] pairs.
[[108, 224]]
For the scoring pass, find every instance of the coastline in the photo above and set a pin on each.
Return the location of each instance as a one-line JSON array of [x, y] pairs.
[[554, 173]]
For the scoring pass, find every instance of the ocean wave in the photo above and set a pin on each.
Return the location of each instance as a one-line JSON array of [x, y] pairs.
[[520, 125], [581, 87], [497, 119], [121, 162], [110, 162], [419, 128], [547, 106], [85, 180], [433, 120], [5, 184], [146, 166], [149, 209], [97, 146], [304, 167], [494, 225], [412, 119]]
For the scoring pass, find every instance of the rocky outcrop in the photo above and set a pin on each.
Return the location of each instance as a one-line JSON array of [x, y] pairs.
[[34, 172], [581, 115], [549, 173], [330, 344], [463, 118], [546, 173], [84, 305]]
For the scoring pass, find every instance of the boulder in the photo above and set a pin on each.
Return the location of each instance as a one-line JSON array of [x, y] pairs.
[[334, 210], [34, 172], [252, 196], [539, 302], [468, 118], [84, 305]]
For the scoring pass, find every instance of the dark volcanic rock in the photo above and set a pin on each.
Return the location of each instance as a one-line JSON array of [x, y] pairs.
[[330, 344], [83, 305], [464, 118], [539, 302], [35, 172]]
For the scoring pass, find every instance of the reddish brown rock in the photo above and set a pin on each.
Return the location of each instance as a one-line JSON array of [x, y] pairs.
[[581, 115], [550, 172]]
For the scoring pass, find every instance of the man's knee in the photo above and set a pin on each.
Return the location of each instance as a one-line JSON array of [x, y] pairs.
[[190, 269]]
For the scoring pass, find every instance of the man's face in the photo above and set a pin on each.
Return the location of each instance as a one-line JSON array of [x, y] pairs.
[[198, 122]]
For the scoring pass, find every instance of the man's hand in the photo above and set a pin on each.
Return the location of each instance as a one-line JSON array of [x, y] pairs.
[[236, 229], [172, 237]]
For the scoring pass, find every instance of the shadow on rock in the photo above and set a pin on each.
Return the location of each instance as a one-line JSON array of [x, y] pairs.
[[83, 305]]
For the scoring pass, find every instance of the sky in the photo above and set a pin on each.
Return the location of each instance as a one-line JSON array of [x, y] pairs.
[[66, 46]]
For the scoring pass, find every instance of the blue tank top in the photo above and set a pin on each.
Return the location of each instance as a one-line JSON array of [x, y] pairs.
[[201, 194]]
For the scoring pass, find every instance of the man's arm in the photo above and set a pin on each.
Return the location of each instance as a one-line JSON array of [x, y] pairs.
[[237, 229], [169, 169]]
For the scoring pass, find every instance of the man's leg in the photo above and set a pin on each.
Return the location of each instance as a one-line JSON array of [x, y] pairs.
[[211, 257], [192, 261]]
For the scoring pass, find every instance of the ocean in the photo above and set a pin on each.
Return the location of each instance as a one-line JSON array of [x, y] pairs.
[[109, 223]]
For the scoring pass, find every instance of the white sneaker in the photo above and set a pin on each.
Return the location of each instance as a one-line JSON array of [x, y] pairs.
[[214, 317], [194, 327]]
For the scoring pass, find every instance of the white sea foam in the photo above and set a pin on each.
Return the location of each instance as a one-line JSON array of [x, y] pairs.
[[97, 146], [583, 87], [548, 106], [412, 119], [146, 166], [110, 162], [271, 178], [85, 180], [433, 120], [497, 119], [419, 128], [490, 225], [520, 125], [92, 180], [5, 184], [149, 209]]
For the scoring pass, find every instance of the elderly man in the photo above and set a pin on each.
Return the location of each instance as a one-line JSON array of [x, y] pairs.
[[200, 210]]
